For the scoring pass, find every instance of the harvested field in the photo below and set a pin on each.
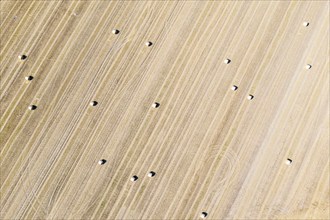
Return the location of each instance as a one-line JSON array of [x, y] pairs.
[[164, 109]]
